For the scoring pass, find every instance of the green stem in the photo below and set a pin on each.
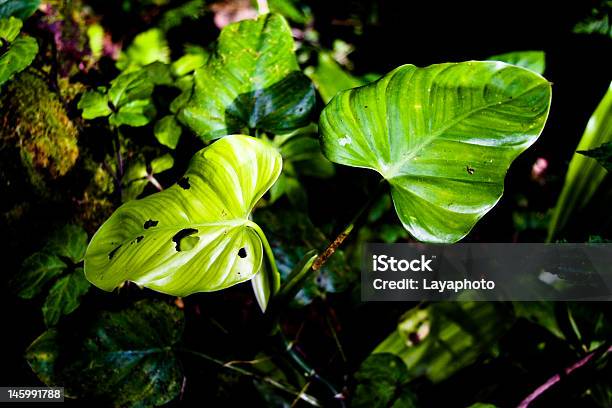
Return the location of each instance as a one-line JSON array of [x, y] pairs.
[[275, 278], [299, 394]]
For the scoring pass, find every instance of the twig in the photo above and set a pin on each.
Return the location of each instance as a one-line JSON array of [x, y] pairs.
[[329, 251], [567, 371]]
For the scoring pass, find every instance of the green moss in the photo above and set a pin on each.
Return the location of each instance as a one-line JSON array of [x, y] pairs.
[[34, 120]]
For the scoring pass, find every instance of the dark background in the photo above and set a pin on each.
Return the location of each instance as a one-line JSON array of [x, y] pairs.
[[395, 33]]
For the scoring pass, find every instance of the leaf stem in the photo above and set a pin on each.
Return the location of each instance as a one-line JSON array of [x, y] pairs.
[[275, 278], [331, 248], [287, 388]]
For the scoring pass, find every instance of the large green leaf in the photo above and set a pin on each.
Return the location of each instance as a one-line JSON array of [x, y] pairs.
[[251, 81], [18, 52], [584, 174], [21, 9], [195, 236], [533, 60], [121, 359], [65, 296], [442, 136]]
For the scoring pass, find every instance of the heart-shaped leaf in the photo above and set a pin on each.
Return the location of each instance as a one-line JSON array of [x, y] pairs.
[[195, 236], [252, 80], [17, 52], [121, 359], [442, 136]]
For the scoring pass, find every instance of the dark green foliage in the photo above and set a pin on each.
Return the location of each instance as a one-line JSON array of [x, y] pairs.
[[124, 359]]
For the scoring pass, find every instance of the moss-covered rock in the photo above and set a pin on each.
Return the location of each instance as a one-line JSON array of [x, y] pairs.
[[34, 120]]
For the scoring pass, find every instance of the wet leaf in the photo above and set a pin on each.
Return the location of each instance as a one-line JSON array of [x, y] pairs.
[[442, 136]]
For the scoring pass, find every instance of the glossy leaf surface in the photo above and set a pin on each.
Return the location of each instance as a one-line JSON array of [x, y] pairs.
[[442, 136], [195, 236], [251, 81]]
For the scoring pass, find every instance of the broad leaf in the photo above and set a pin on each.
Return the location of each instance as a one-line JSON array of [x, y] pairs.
[[65, 296], [168, 131], [603, 154], [584, 175], [195, 236], [382, 382], [70, 241], [122, 359], [18, 52], [533, 60], [251, 81], [36, 271], [442, 136], [21, 9]]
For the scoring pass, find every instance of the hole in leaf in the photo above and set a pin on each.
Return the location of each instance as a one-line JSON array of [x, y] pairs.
[[112, 253], [242, 253], [184, 183], [139, 238], [150, 223], [183, 239]]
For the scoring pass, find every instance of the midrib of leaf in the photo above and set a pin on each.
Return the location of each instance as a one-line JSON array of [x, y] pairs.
[[395, 170], [236, 222]]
